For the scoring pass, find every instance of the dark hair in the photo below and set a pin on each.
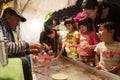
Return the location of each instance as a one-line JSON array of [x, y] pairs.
[[111, 26], [49, 23], [48, 31], [64, 17], [86, 21], [89, 4], [70, 21], [57, 21]]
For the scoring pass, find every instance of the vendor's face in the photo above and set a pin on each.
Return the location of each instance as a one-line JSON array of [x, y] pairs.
[[91, 13], [12, 21]]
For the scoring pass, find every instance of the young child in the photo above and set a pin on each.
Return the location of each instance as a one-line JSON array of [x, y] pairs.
[[58, 39], [88, 41], [72, 39], [108, 51], [44, 39]]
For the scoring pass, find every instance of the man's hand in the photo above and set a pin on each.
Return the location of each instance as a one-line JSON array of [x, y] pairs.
[[35, 47], [35, 57]]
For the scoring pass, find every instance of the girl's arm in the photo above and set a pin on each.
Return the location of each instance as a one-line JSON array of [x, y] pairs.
[[115, 69], [60, 52], [93, 38], [93, 41], [96, 60], [46, 46]]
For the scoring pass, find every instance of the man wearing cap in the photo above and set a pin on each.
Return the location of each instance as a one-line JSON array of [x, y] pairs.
[[8, 23]]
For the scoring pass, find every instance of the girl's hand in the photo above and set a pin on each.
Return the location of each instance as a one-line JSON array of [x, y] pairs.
[[87, 48], [34, 57], [97, 67], [55, 59], [71, 45], [46, 46], [113, 70], [79, 59]]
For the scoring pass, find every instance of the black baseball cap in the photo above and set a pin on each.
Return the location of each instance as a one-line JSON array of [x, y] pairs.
[[14, 12]]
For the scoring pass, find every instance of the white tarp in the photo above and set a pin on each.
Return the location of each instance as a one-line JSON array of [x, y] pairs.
[[35, 12]]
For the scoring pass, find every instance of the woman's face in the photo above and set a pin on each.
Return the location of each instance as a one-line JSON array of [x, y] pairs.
[[52, 35], [91, 13]]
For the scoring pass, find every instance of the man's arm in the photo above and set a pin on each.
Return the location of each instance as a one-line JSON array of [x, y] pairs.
[[22, 48]]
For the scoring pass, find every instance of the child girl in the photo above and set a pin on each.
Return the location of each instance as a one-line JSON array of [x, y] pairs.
[[108, 51], [88, 41], [72, 39], [58, 39]]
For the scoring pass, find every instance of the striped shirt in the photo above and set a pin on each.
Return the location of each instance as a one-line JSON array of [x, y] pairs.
[[14, 48]]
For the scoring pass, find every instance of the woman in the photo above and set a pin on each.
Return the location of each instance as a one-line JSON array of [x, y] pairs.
[[100, 12]]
